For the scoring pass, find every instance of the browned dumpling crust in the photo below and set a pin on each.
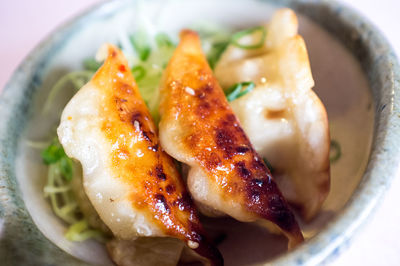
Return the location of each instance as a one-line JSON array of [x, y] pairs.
[[132, 183], [283, 117], [199, 128]]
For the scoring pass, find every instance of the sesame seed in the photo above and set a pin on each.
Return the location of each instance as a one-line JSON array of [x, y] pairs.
[[193, 244], [190, 91], [136, 124]]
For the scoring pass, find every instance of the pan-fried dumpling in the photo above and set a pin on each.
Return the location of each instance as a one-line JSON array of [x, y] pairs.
[[284, 119], [199, 128], [131, 182]]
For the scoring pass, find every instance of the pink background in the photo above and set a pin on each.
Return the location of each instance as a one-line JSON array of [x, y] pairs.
[[23, 23]]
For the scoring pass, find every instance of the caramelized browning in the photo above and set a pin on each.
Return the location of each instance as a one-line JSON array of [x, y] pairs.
[[283, 117], [138, 161], [275, 114], [213, 137]]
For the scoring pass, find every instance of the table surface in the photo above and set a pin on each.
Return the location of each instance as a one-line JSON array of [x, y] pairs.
[[24, 23]]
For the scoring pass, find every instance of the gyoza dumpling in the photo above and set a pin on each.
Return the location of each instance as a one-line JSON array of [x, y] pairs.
[[284, 119], [131, 182], [199, 128]]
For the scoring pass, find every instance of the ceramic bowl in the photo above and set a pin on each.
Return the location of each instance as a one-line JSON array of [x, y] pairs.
[[357, 77]]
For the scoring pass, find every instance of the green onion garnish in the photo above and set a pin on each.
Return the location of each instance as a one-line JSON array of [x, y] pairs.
[[80, 231], [335, 151], [77, 80], [162, 39], [141, 45], [55, 154], [138, 72], [66, 168], [91, 64], [215, 52], [237, 91], [237, 36]]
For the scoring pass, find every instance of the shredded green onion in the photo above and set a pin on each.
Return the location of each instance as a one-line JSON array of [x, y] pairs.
[[49, 189], [60, 199], [66, 168], [59, 190], [163, 39], [140, 43], [80, 231], [335, 151], [235, 40], [77, 79], [238, 90], [215, 52], [91, 64], [63, 201], [148, 74], [37, 144], [53, 153], [214, 39], [138, 72], [69, 208]]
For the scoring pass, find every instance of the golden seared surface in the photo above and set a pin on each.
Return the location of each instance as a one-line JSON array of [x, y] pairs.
[[155, 188], [283, 117], [137, 159], [211, 135]]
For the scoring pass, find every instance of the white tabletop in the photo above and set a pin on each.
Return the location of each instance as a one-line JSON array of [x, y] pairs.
[[24, 23]]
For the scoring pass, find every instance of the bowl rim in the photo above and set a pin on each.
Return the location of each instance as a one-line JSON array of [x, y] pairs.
[[382, 167], [383, 163]]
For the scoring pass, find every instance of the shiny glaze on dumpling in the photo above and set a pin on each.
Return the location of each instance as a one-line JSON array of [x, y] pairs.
[[132, 183], [199, 128], [283, 117]]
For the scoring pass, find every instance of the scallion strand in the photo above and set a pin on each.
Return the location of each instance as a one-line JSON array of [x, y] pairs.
[[336, 151], [237, 36], [138, 72], [162, 39], [141, 46], [237, 91], [91, 64], [216, 52]]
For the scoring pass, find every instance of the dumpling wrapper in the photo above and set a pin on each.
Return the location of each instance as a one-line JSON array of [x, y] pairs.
[[284, 119], [199, 128], [131, 182]]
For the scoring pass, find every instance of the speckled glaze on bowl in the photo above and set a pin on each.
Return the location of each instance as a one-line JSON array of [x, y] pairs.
[[23, 244]]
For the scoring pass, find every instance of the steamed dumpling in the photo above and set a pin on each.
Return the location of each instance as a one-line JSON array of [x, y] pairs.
[[131, 182], [199, 128], [284, 119]]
